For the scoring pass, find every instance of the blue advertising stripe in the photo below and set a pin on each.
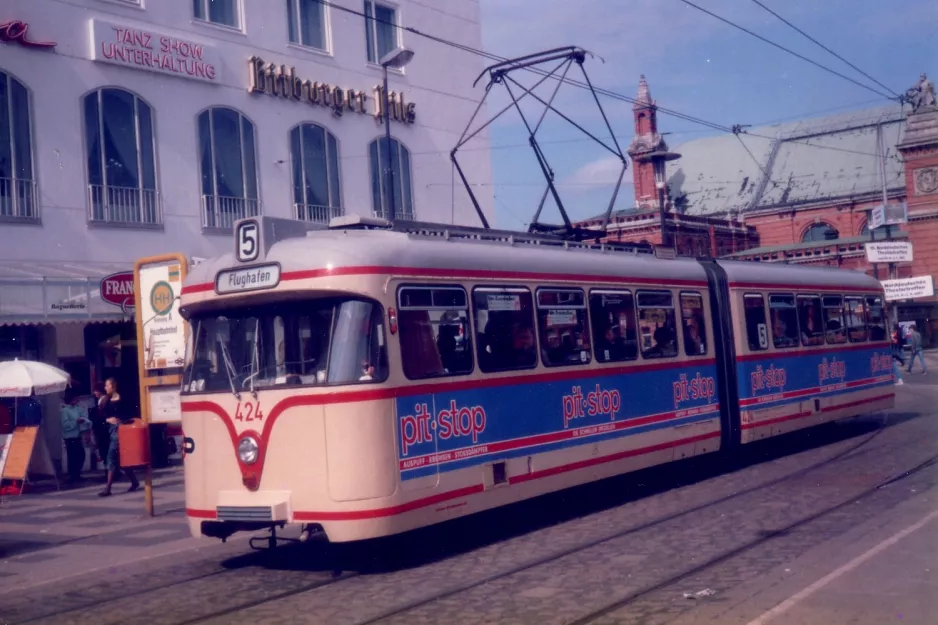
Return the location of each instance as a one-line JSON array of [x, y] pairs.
[[801, 395], [789, 375], [515, 452], [444, 422]]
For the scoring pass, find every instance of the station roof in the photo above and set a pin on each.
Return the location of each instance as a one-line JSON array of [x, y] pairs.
[[801, 162]]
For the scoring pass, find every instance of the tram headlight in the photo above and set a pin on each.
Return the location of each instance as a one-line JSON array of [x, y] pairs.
[[247, 450]]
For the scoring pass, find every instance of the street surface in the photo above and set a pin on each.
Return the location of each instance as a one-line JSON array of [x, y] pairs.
[[834, 526]]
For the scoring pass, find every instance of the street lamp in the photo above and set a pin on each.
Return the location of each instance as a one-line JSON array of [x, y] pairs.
[[396, 58]]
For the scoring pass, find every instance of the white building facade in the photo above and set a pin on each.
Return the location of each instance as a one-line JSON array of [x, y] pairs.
[[130, 128]]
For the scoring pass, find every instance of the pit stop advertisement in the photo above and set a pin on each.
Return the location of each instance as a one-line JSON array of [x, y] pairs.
[[453, 429], [777, 379]]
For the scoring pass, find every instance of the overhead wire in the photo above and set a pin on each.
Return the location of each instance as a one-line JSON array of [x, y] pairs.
[[812, 39], [784, 49], [624, 98]]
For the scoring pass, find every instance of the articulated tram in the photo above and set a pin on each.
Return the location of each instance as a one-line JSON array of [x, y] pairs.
[[363, 380]]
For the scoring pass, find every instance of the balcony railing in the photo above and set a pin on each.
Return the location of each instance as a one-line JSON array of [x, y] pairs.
[[19, 199], [398, 215], [220, 212], [124, 205], [316, 213]]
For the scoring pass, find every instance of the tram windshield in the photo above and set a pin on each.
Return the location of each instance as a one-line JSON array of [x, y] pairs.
[[318, 342]]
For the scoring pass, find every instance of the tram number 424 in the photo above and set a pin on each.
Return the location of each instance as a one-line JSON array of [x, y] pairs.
[[248, 411]]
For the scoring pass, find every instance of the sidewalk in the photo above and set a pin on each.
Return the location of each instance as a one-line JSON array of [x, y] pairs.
[[49, 535]]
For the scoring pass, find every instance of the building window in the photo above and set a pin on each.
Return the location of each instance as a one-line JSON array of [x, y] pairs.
[[380, 179], [224, 12], [121, 159], [229, 167], [380, 30], [18, 196], [314, 152], [307, 22], [820, 232]]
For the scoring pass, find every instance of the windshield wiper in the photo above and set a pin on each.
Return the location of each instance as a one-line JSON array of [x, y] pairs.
[[229, 369]]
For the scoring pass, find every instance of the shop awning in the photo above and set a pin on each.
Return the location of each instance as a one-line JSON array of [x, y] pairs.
[[57, 292]]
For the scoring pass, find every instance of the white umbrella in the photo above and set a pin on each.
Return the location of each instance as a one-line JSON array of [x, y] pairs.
[[22, 378]]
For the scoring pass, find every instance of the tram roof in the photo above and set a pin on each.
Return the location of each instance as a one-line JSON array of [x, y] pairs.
[[344, 250], [783, 275], [339, 249]]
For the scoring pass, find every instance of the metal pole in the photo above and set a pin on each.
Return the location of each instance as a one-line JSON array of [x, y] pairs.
[[894, 309], [387, 134]]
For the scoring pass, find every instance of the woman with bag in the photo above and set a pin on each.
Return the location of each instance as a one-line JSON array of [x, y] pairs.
[[115, 414]]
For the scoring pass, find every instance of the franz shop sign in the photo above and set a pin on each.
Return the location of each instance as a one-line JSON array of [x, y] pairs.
[[117, 289], [139, 48]]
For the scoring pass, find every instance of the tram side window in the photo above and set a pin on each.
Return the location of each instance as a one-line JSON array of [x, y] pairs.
[[784, 320], [877, 318], [810, 320], [856, 319], [564, 327], [695, 330], [656, 324], [834, 319], [615, 336], [756, 329], [504, 321], [434, 331]]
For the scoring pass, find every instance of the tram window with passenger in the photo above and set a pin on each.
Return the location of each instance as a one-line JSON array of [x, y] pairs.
[[833, 309], [504, 322], [434, 331], [615, 336], [784, 320], [564, 327], [756, 329], [856, 319], [657, 324], [810, 320], [877, 318], [692, 319], [319, 342]]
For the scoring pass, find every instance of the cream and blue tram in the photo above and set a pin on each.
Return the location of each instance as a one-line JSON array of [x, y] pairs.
[[362, 380]]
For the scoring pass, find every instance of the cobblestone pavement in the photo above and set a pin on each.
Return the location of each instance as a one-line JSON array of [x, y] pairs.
[[623, 551]]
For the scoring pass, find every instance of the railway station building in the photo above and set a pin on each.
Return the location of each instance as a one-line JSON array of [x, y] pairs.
[[799, 192], [131, 128]]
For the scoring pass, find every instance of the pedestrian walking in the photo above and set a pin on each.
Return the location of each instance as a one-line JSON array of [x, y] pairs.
[[74, 422], [898, 341], [99, 427], [115, 414], [915, 349]]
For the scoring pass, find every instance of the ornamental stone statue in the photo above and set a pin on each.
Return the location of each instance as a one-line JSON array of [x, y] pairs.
[[922, 95]]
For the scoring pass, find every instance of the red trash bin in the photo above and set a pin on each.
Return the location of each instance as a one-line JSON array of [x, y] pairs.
[[134, 444]]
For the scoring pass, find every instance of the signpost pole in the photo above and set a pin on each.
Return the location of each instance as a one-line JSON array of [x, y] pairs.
[[150, 379], [894, 309]]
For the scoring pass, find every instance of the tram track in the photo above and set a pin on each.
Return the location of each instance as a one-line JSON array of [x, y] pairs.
[[89, 611], [620, 602], [563, 553], [188, 616]]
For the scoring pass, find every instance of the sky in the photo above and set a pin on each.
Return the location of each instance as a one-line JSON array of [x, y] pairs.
[[694, 64]]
